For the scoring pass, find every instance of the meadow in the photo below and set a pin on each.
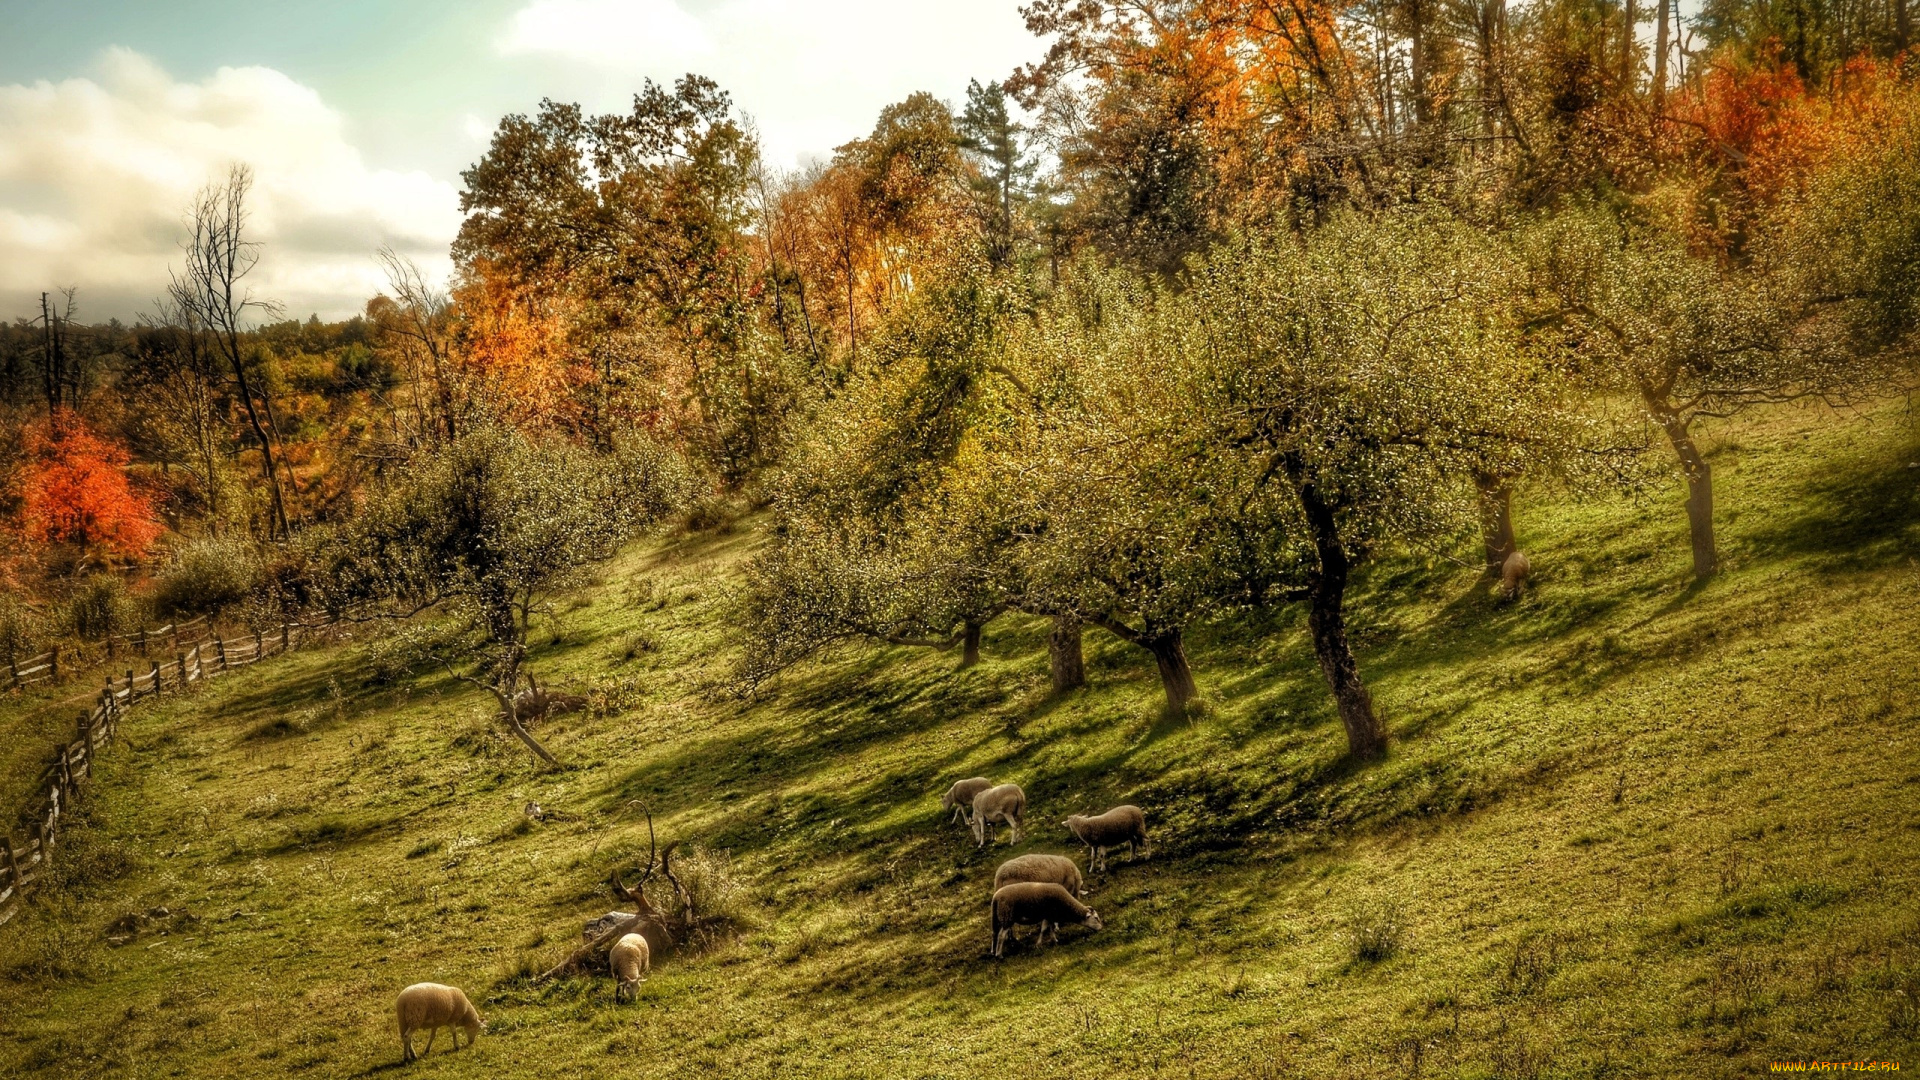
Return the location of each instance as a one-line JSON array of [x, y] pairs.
[[1630, 825]]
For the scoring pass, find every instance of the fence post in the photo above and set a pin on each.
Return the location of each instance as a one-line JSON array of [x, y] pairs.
[[66, 772], [286, 635], [199, 666], [13, 672], [13, 866], [55, 662], [220, 654], [183, 672], [131, 696], [86, 730], [156, 677], [259, 646]]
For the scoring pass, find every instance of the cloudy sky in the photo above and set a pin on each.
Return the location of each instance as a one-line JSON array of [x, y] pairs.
[[357, 116]]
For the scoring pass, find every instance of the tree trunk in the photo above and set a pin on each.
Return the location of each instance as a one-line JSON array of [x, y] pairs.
[[1064, 654], [1660, 57], [276, 504], [512, 716], [1421, 73], [1496, 519], [1699, 476], [1326, 620], [970, 645], [1176, 676], [509, 673], [1627, 47]]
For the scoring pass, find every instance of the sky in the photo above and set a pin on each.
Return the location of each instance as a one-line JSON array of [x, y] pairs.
[[357, 117]]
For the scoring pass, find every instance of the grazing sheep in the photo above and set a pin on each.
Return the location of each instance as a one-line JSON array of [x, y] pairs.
[[430, 1007], [1041, 902], [1513, 575], [1057, 869], [630, 959], [1006, 803], [959, 798], [1120, 825]]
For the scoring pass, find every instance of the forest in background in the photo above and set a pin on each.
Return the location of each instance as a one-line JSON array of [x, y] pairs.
[[1195, 314]]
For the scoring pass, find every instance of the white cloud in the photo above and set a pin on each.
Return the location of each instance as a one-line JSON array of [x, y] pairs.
[[476, 129], [97, 172], [812, 73], [604, 31]]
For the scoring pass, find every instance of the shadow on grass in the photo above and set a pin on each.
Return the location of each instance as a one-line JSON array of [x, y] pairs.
[[1862, 517]]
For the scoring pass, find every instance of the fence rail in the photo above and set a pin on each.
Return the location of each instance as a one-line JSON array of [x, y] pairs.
[[22, 863], [56, 664]]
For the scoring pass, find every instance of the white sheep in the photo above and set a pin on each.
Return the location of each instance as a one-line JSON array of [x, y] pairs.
[[630, 958], [1513, 575], [429, 1007], [1120, 825], [1041, 902], [959, 798], [1006, 804], [1057, 869]]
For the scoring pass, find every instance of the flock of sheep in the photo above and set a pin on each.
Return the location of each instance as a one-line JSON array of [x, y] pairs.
[[1039, 889], [1028, 890]]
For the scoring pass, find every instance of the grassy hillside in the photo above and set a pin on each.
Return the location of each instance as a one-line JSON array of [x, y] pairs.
[[1629, 827]]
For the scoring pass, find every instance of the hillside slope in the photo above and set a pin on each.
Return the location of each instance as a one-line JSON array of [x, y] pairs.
[[1629, 827]]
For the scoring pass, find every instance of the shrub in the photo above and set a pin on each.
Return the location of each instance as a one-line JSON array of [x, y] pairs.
[[721, 904], [100, 607], [207, 576], [1377, 931], [23, 631]]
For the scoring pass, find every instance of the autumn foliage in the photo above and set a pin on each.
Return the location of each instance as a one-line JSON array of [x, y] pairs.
[[73, 489]]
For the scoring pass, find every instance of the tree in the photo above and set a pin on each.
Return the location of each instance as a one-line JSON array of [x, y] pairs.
[[73, 489], [490, 527], [59, 369], [1342, 380], [418, 319], [1688, 336], [631, 232], [860, 554], [211, 291], [1004, 184]]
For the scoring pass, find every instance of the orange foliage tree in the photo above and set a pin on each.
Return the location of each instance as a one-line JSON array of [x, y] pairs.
[[73, 489]]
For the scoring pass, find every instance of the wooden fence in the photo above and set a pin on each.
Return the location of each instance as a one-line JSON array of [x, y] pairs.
[[53, 665], [22, 864]]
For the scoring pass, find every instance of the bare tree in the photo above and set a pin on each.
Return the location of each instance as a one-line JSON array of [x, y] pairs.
[[420, 317], [60, 378], [211, 290]]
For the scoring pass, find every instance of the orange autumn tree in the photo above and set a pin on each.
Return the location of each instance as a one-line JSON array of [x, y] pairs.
[[1748, 133], [74, 489], [512, 351]]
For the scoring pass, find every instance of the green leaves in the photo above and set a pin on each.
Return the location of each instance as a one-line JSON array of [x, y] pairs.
[[497, 518]]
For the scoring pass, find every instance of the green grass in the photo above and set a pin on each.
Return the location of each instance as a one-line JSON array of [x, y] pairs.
[[1628, 827]]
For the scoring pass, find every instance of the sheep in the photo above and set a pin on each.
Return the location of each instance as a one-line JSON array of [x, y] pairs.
[[959, 798], [1513, 575], [1057, 869], [430, 1006], [630, 958], [1041, 902], [1006, 803], [1120, 825]]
